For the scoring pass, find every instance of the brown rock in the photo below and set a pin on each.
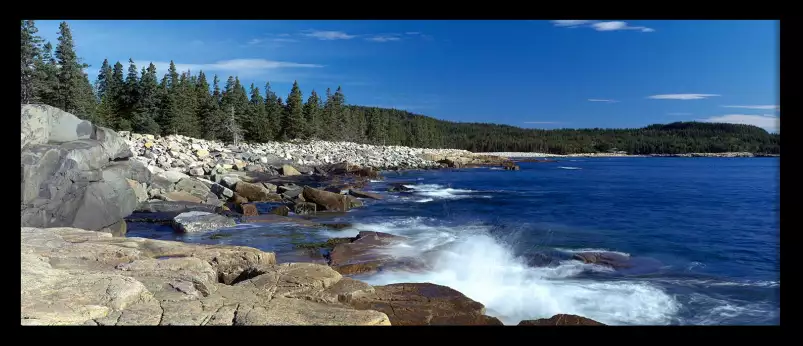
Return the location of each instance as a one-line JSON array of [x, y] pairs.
[[367, 172], [326, 201], [304, 208], [354, 202], [181, 196], [363, 194], [256, 192], [360, 256], [610, 259], [560, 320], [249, 209], [288, 170], [281, 210], [237, 199], [423, 304]]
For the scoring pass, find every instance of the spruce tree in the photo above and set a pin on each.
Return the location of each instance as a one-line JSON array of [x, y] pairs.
[[29, 53], [213, 118], [293, 125], [273, 112], [130, 91], [259, 125], [312, 115], [74, 92], [340, 116], [328, 117], [45, 76], [104, 78], [147, 109]]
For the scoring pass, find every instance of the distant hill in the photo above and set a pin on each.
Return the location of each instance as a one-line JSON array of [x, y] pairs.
[[411, 129]]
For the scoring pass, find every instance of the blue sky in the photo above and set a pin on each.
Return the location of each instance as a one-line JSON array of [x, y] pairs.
[[529, 73]]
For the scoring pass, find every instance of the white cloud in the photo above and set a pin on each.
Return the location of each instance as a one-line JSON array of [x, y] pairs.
[[767, 107], [383, 38], [768, 122], [602, 100], [678, 113], [255, 41], [600, 26], [618, 25], [681, 96], [329, 35], [571, 23], [236, 67], [543, 122]]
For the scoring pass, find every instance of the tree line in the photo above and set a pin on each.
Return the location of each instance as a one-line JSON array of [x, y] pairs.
[[137, 99]]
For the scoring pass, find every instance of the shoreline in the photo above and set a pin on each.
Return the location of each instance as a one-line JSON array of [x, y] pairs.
[[518, 155]]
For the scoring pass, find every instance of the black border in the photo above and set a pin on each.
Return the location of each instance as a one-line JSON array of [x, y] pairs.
[[411, 10]]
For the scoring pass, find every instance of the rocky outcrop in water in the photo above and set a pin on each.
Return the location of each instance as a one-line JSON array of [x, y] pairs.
[[77, 277], [561, 320], [74, 173]]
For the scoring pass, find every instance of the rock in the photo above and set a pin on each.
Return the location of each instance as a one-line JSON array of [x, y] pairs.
[[354, 202], [173, 207], [181, 196], [172, 176], [229, 181], [282, 210], [399, 187], [561, 320], [363, 194], [360, 256], [272, 188], [199, 221], [193, 187], [423, 304], [222, 192], [139, 190], [249, 210], [197, 171], [237, 199], [118, 229], [611, 259], [288, 170], [256, 192], [201, 153], [305, 208], [327, 201]]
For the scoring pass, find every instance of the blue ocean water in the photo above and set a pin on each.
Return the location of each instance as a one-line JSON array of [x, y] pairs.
[[702, 236]]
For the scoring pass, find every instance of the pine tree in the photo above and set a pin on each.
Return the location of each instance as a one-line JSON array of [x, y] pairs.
[[45, 76], [74, 92], [328, 117], [171, 117], [104, 78], [312, 115], [130, 91], [29, 53], [147, 108], [273, 112], [293, 125], [213, 118], [256, 119], [340, 116]]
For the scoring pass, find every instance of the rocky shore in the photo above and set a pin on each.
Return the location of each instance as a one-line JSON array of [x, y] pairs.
[[516, 155], [81, 182]]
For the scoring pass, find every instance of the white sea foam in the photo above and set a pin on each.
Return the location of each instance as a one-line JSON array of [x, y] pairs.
[[569, 167], [571, 251], [441, 192], [469, 260]]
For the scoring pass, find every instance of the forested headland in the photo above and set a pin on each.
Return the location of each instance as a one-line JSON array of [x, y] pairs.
[[136, 99]]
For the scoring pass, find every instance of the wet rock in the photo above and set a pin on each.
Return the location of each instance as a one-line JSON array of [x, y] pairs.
[[256, 192], [423, 304], [305, 208], [176, 207], [249, 210], [198, 221], [363, 194], [360, 256], [281, 210], [611, 259], [561, 320], [326, 201]]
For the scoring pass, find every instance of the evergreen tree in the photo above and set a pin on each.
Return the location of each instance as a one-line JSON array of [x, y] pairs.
[[260, 128], [340, 115], [328, 117], [74, 92], [29, 53], [104, 78], [312, 115], [213, 118], [147, 109], [45, 76], [293, 125], [131, 91], [273, 111]]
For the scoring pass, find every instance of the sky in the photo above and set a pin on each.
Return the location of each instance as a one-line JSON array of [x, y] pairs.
[[527, 73]]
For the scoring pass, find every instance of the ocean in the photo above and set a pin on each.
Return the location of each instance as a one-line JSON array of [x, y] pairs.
[[701, 235]]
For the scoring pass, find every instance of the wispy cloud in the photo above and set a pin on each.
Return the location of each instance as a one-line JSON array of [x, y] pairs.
[[383, 38], [328, 35], [679, 113], [543, 122], [239, 67], [600, 25], [681, 96], [765, 107], [602, 100], [768, 122]]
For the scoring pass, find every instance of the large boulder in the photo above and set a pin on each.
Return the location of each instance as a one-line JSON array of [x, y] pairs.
[[561, 320], [73, 173], [200, 221], [325, 200]]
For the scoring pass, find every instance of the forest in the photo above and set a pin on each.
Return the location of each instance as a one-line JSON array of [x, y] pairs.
[[180, 102]]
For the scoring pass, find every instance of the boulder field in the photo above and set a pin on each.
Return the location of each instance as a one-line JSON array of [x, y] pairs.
[[80, 182]]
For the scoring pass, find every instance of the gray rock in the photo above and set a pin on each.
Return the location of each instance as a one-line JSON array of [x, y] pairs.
[[172, 176], [197, 171], [193, 187], [222, 191], [173, 207], [229, 181], [199, 221]]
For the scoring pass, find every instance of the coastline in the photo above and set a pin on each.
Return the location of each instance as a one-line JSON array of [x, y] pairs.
[[516, 155]]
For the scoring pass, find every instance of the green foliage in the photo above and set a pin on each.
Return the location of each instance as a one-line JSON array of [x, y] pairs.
[[182, 103]]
